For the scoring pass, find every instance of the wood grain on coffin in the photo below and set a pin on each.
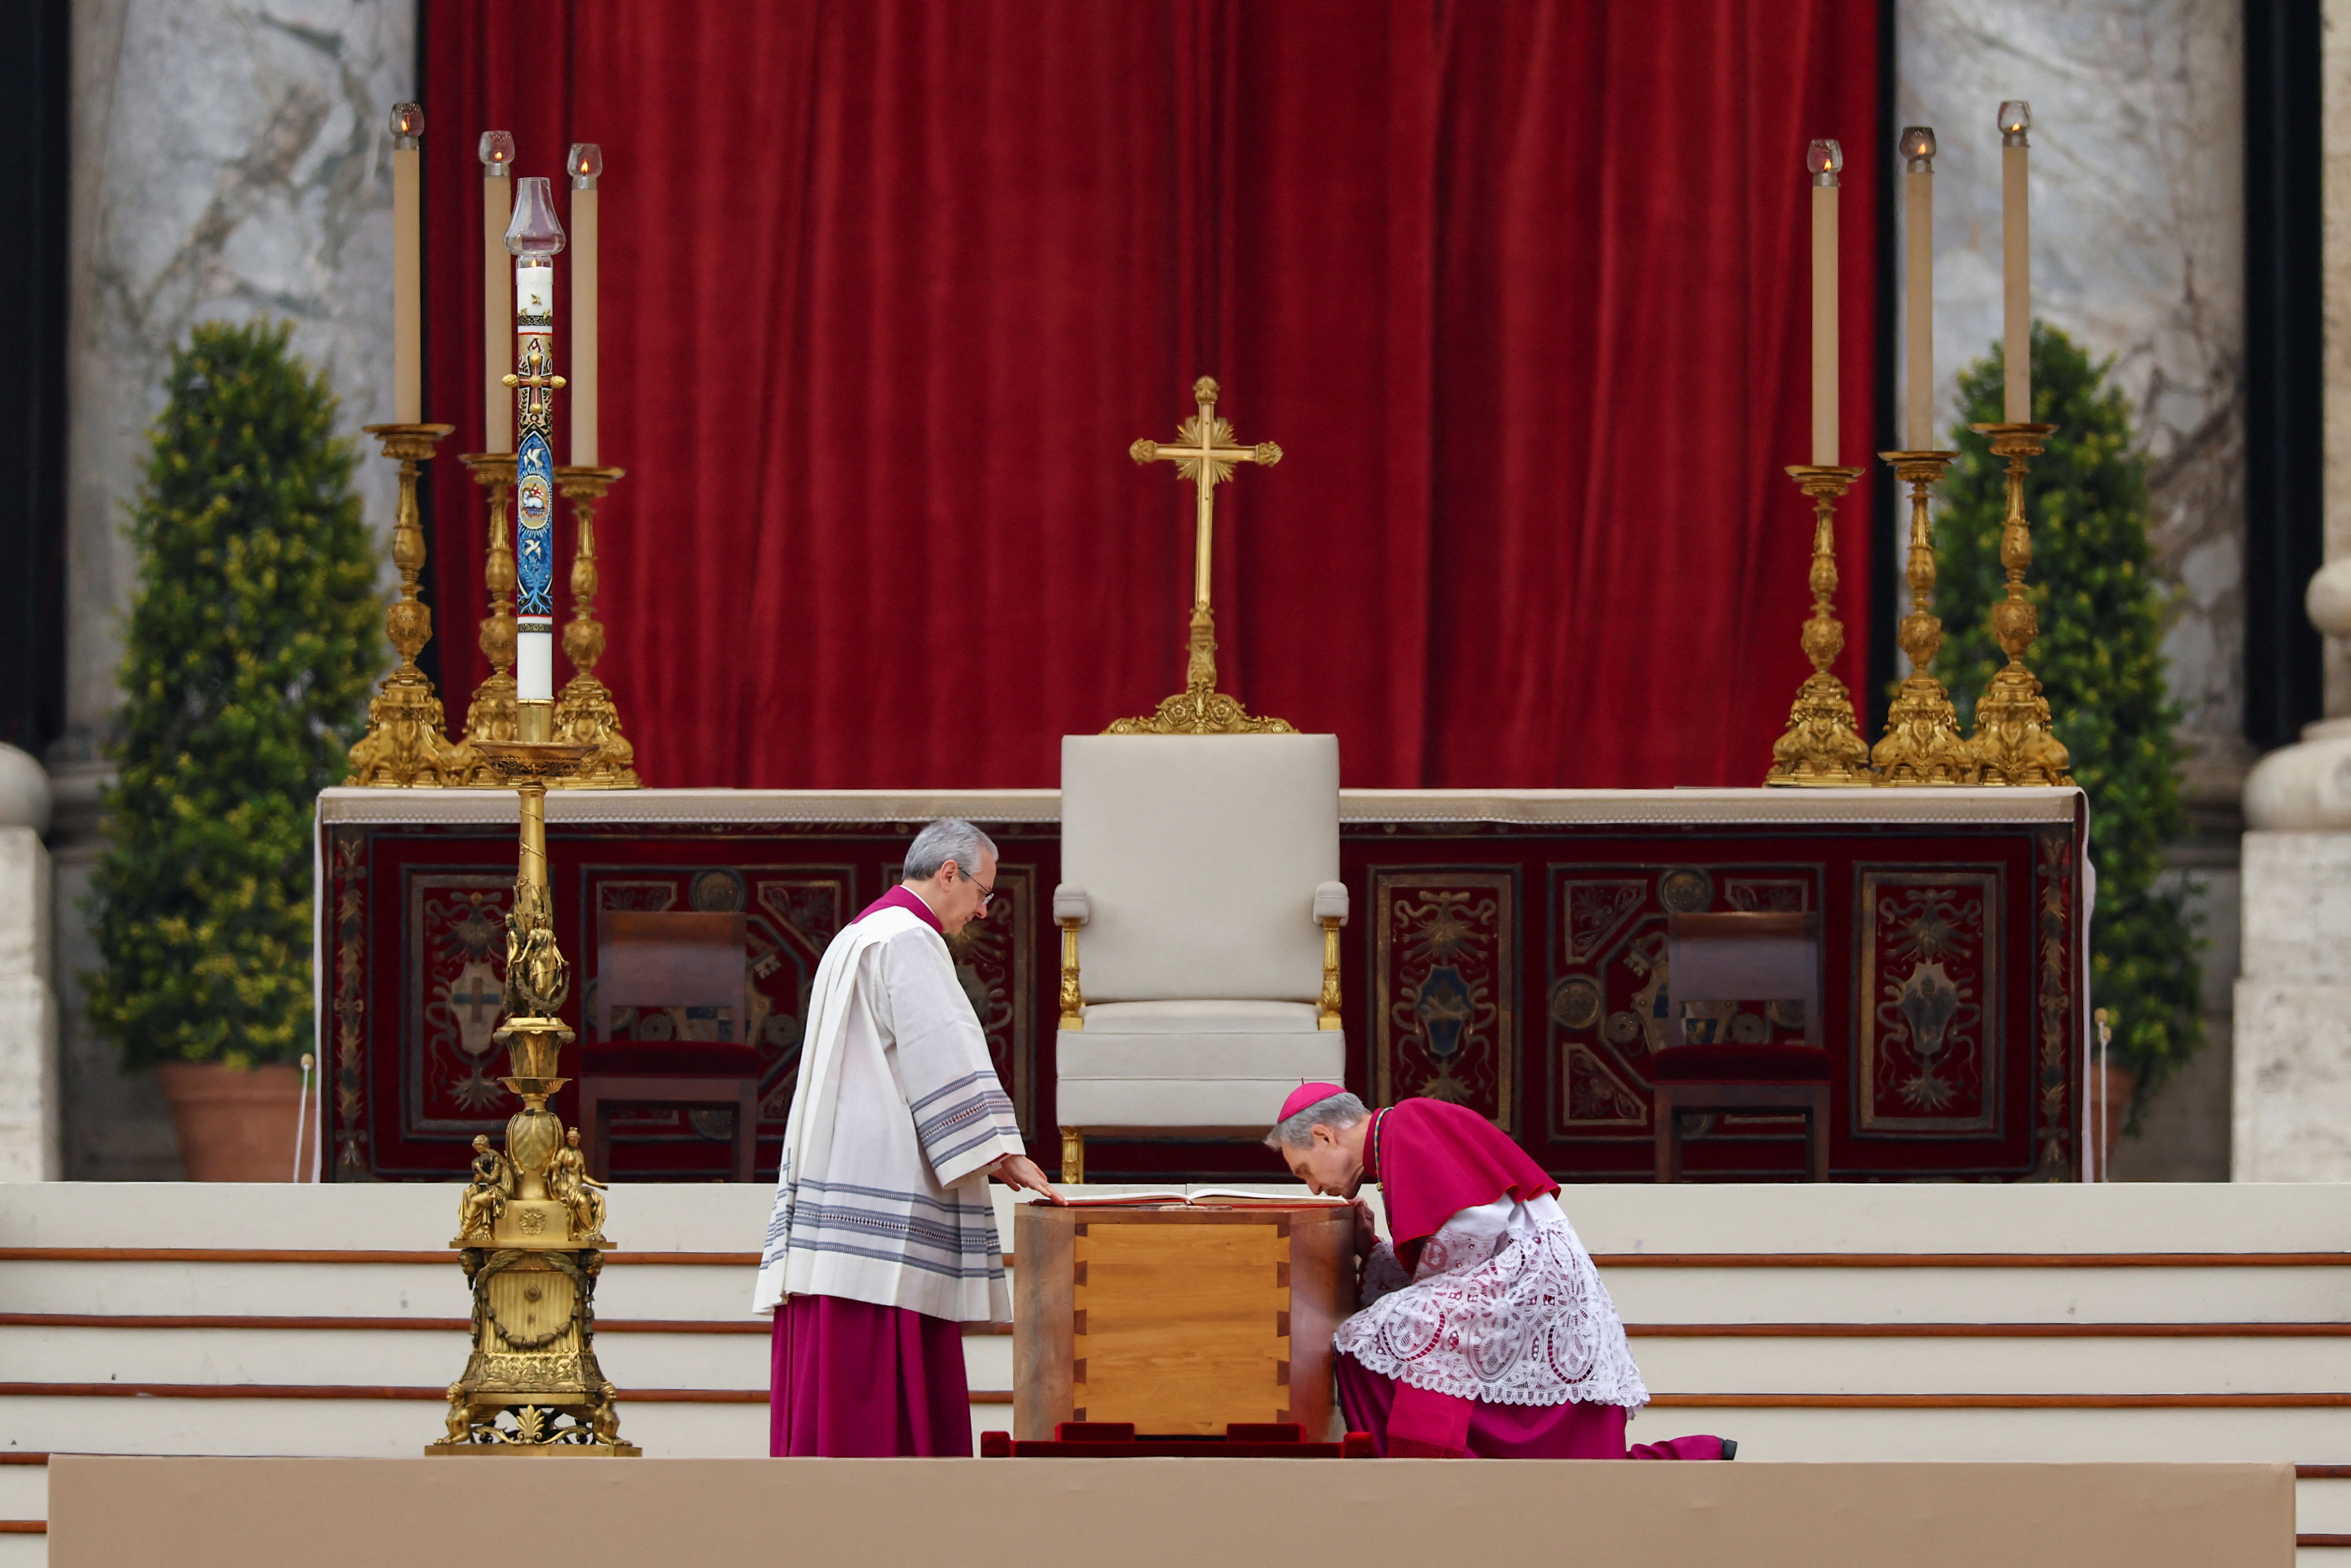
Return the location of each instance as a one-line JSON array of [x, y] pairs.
[[1180, 1323], [1179, 1319], [1042, 1314]]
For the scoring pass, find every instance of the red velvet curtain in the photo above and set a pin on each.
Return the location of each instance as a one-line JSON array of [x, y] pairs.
[[890, 286]]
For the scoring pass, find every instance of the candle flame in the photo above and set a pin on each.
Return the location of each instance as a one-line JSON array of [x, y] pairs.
[[2015, 117], [408, 120], [1918, 142], [498, 149], [1824, 157], [586, 161]]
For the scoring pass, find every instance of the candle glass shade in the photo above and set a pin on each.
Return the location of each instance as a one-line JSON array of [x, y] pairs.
[[2015, 741], [1922, 744], [491, 716], [532, 229], [585, 712], [1822, 745], [405, 742]]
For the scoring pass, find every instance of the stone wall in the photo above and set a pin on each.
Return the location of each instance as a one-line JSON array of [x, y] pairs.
[[230, 163]]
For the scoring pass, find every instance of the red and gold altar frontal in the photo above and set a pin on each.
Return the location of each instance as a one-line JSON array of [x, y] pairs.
[[1508, 948]]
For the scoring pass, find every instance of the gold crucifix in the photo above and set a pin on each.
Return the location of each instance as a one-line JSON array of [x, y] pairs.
[[1206, 454]]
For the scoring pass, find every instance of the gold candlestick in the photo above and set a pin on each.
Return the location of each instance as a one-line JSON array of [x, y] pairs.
[[405, 742], [584, 708], [1922, 744], [530, 1224], [2015, 741], [491, 715], [1822, 745]]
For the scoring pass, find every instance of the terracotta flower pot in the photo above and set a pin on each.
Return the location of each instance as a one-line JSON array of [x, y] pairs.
[[237, 1126]]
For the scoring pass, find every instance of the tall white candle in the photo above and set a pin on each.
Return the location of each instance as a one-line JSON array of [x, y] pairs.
[[587, 166], [1917, 150], [407, 264], [534, 236], [1824, 160], [497, 303], [2016, 257]]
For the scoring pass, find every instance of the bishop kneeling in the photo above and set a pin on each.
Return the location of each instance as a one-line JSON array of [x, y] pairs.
[[1484, 1331]]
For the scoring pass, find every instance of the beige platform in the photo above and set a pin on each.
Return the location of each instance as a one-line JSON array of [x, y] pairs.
[[1139, 1513]]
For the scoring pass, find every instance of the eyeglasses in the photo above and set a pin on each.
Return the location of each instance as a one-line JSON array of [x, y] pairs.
[[987, 894]]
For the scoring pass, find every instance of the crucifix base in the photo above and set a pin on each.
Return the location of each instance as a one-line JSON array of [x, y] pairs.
[[1200, 709]]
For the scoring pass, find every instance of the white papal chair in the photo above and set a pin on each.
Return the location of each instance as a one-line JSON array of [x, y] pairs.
[[1200, 907]]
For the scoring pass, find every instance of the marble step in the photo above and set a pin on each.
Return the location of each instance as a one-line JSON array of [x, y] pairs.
[[1815, 1361]]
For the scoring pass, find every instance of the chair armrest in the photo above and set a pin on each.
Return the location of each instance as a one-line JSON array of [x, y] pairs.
[[1330, 913], [1071, 909]]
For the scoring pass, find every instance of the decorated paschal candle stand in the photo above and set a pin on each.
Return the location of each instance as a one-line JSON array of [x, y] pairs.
[[531, 1222], [406, 744]]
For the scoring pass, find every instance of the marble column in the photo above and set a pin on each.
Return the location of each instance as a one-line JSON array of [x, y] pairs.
[[230, 163], [2138, 255], [28, 1007], [2293, 1001]]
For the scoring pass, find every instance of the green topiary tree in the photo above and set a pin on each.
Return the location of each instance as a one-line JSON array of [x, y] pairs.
[[247, 656], [2099, 657]]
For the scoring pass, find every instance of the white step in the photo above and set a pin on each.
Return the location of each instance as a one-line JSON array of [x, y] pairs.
[[1871, 1366], [1980, 1295]]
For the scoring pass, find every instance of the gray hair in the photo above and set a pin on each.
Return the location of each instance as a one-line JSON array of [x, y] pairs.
[[948, 839], [1337, 1111]]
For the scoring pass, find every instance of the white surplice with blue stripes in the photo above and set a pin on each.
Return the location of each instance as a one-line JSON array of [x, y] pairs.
[[883, 1195]]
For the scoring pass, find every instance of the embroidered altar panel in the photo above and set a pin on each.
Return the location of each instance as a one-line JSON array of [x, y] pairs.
[[1518, 968]]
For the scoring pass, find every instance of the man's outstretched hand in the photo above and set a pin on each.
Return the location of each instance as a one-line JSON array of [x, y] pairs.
[[1020, 1172]]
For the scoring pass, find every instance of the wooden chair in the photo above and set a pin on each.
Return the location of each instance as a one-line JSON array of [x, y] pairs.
[[668, 960], [1746, 957]]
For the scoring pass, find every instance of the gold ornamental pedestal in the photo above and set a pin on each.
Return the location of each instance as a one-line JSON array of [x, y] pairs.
[[404, 743], [490, 716], [584, 708], [1823, 744], [1922, 744], [2015, 741], [530, 1224]]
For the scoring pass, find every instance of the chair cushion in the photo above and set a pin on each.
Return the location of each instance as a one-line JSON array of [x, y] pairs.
[[1202, 1018], [1200, 855], [668, 1059], [1740, 1064], [1212, 1080]]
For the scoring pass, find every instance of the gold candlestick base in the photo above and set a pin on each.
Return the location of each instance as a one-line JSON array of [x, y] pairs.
[[2015, 742], [584, 710], [1922, 744], [491, 715], [406, 743], [1822, 745], [530, 1224]]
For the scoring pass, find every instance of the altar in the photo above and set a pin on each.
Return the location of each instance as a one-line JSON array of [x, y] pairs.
[[1505, 952]]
